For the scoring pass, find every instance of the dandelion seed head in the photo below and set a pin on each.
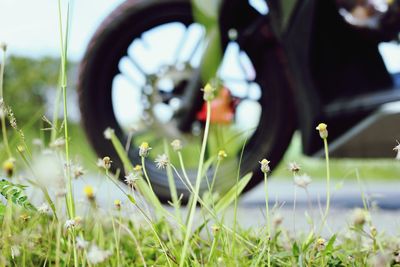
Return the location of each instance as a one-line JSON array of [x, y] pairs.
[[176, 145], [69, 224], [81, 243], [132, 177], [78, 171], [49, 170], [302, 180], [161, 161], [294, 167], [97, 255], [44, 209]]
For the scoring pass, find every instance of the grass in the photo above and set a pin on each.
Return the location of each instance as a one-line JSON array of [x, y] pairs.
[[50, 227]]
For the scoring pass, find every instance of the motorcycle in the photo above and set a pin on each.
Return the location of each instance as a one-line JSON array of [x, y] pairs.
[[282, 66]]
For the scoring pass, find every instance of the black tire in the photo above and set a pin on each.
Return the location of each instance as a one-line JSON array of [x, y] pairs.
[[100, 65]]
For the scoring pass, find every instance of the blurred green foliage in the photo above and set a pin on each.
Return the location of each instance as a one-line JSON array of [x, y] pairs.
[[26, 82]]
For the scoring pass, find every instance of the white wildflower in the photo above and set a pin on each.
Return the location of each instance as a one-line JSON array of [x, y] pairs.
[[49, 171], [97, 255], [360, 217], [176, 145], [78, 171], [37, 142], [58, 143], [397, 149], [302, 180], [108, 133], [15, 251], [81, 243], [294, 167], [3, 46], [161, 161], [134, 176], [70, 224], [44, 209], [104, 163]]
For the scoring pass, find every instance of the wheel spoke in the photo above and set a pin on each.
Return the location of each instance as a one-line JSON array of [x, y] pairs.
[[181, 45], [137, 65], [196, 47]]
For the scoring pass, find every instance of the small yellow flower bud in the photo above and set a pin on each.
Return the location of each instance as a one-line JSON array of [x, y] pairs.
[[9, 167], [373, 231], [25, 217], [320, 244], [117, 204], [222, 154], [265, 165], [89, 192], [21, 149], [215, 229], [144, 149], [107, 162], [208, 92], [323, 130], [137, 168]]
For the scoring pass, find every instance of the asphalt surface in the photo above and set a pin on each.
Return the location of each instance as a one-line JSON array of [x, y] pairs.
[[383, 199]]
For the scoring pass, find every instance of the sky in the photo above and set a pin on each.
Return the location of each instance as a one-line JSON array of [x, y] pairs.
[[30, 27]]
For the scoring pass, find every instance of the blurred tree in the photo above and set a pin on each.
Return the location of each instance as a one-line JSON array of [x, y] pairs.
[[26, 82]]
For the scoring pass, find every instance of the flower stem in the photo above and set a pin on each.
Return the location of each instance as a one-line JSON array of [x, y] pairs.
[[197, 186], [328, 193], [3, 119], [145, 173], [268, 219]]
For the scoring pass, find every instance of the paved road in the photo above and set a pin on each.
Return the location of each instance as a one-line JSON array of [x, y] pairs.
[[384, 198]]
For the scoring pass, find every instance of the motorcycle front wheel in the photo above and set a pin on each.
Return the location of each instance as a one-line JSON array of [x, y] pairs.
[[133, 77]]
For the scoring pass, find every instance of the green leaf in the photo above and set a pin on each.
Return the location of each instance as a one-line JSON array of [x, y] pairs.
[[230, 196], [15, 193], [329, 246], [295, 249], [2, 210]]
